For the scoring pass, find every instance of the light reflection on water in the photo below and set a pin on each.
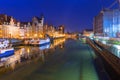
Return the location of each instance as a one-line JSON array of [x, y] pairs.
[[64, 60], [26, 54]]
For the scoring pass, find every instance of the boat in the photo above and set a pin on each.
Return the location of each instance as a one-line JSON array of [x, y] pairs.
[[47, 46], [6, 52], [6, 49], [39, 42]]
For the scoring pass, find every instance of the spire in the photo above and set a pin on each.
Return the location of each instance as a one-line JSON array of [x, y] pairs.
[[42, 19], [11, 21]]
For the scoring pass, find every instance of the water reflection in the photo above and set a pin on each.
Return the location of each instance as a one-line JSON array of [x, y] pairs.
[[44, 47], [27, 54], [57, 42]]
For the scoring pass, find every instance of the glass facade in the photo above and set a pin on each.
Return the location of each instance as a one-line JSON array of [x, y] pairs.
[[111, 23]]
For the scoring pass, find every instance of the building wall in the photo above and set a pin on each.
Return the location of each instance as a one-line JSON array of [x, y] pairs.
[[61, 29], [11, 31], [116, 22], [112, 23], [87, 33], [10, 28], [3, 18], [108, 23], [1, 31], [49, 30], [98, 24], [37, 27]]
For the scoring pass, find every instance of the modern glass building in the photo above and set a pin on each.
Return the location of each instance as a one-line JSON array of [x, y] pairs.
[[107, 23]]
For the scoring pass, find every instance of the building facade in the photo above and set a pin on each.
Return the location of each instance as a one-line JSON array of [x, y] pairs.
[[37, 26], [10, 30], [107, 23], [87, 32], [1, 31], [98, 24], [61, 29]]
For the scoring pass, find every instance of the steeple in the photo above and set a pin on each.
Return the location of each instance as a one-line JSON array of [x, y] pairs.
[[11, 21], [42, 19]]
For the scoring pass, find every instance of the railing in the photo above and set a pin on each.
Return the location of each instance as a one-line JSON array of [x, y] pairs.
[[108, 56]]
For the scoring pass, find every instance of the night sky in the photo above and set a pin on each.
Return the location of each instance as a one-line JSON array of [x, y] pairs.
[[75, 15]]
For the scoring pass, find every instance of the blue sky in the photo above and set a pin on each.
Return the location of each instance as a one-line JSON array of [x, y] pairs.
[[76, 15]]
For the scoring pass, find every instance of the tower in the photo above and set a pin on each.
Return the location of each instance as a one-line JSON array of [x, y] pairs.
[[11, 21], [42, 20]]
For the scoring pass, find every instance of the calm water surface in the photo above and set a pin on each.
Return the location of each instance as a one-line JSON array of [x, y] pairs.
[[62, 60]]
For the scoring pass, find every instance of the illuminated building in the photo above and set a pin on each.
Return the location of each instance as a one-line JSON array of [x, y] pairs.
[[45, 28], [49, 30], [22, 32], [8, 27], [87, 32], [98, 24], [26, 30], [107, 23], [29, 30], [37, 26], [3, 18], [1, 31], [10, 30], [61, 29]]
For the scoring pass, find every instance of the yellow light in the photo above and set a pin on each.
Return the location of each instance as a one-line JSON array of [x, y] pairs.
[[28, 34], [35, 35], [28, 50]]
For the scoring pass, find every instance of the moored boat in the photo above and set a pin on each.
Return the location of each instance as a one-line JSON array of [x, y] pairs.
[[39, 42], [6, 52], [47, 46], [6, 49]]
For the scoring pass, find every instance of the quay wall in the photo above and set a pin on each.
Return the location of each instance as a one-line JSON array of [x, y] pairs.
[[110, 61]]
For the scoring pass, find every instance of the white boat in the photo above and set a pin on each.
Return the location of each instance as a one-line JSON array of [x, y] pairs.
[[6, 52], [47, 46], [6, 49], [39, 42]]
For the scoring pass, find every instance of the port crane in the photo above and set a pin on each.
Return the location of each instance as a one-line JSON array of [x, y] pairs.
[[115, 3]]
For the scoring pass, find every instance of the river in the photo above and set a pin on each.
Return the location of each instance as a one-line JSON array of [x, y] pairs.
[[62, 60]]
